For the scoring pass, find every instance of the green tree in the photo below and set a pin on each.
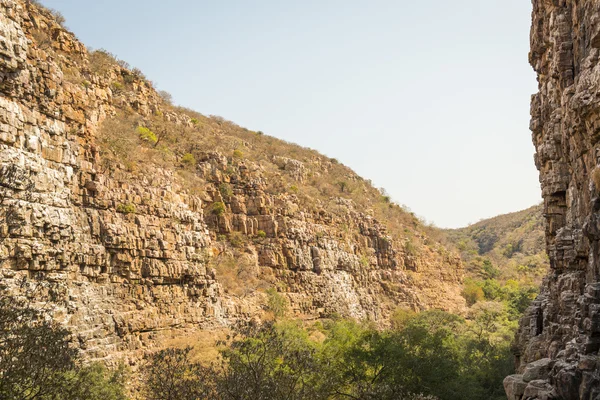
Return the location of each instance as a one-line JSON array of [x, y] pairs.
[[37, 360], [270, 362], [170, 374]]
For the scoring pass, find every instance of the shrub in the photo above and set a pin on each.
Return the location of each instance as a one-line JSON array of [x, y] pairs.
[[343, 185], [472, 292], [294, 189], [138, 74], [260, 133], [276, 303], [410, 248], [237, 239], [217, 208], [489, 270], [117, 87], [261, 234], [194, 121], [170, 374], [147, 135], [225, 190], [96, 382], [237, 273], [238, 154], [166, 96], [101, 61], [188, 159], [126, 208]]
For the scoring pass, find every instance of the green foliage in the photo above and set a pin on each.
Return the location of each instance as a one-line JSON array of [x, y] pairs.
[[238, 154], [37, 360], [489, 270], [343, 185], [96, 382], [364, 261], [435, 353], [170, 374], [225, 190], [410, 248], [472, 292], [147, 135], [276, 303], [188, 159], [261, 234], [272, 362], [126, 208], [35, 355], [117, 87], [217, 208], [237, 239]]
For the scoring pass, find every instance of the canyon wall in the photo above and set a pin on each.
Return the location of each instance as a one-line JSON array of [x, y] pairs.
[[129, 255], [559, 337]]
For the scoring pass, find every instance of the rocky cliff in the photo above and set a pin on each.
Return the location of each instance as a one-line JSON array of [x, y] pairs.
[[559, 337], [145, 221]]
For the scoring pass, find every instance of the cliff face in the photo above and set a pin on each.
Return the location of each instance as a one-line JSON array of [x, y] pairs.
[[138, 250], [559, 338]]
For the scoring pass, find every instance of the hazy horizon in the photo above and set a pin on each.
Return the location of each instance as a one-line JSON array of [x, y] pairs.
[[428, 100]]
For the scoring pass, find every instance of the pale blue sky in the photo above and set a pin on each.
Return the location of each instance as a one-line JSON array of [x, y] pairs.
[[427, 98]]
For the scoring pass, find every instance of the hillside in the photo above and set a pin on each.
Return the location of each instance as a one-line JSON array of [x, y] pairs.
[[510, 246], [148, 222]]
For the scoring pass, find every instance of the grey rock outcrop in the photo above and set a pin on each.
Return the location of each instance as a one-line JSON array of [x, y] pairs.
[[559, 337]]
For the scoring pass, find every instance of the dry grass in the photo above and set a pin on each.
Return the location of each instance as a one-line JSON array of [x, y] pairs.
[[238, 273], [205, 344], [596, 178]]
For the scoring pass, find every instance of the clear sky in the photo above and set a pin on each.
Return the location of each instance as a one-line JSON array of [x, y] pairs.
[[427, 98]]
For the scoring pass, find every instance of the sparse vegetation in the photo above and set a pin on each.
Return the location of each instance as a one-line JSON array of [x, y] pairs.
[[276, 303], [166, 96], [238, 154], [218, 208], [237, 240], [238, 274], [188, 159], [117, 87], [225, 190], [147, 135], [126, 208]]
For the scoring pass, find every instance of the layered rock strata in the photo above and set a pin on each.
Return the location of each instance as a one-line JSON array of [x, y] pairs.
[[559, 337], [129, 255]]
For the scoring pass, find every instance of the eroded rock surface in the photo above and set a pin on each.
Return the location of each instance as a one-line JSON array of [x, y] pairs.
[[559, 337]]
